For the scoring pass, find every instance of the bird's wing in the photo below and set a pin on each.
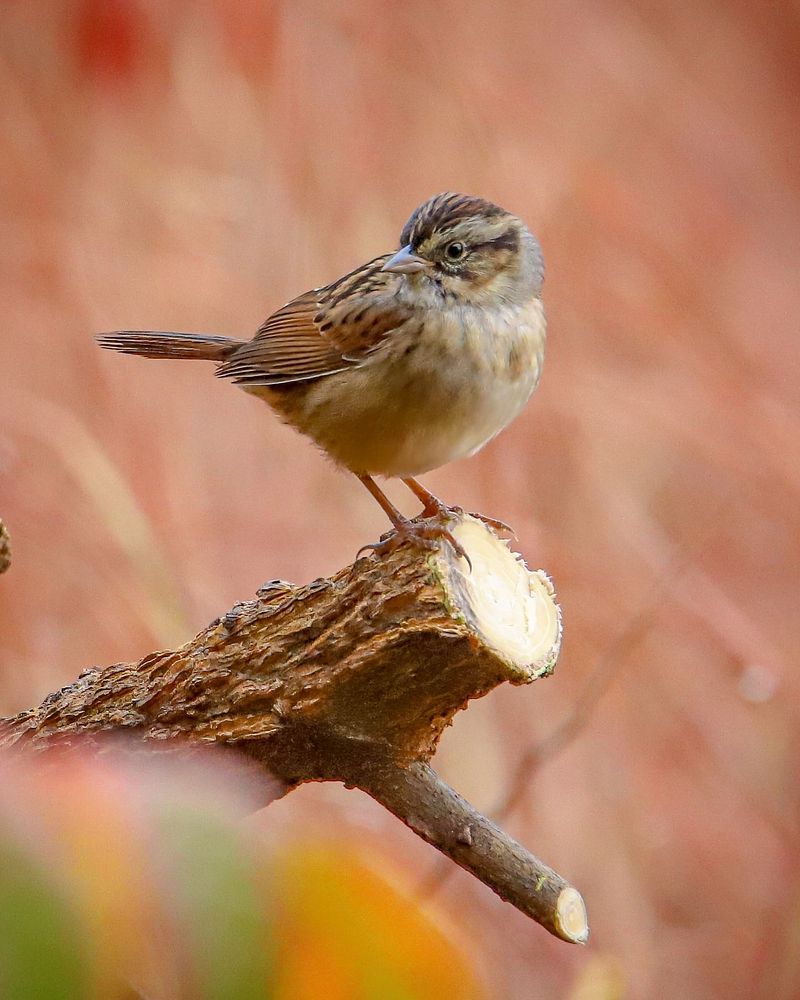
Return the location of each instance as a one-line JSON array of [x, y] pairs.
[[323, 331]]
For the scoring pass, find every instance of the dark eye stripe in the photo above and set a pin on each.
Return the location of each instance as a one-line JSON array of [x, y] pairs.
[[506, 241]]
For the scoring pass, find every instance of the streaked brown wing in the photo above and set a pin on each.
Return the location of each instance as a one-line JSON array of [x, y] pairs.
[[321, 332], [287, 348]]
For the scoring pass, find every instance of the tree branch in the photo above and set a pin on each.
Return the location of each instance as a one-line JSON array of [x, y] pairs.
[[419, 797], [352, 679]]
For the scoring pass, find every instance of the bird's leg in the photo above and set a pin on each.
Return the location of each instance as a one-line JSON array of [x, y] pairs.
[[432, 506], [424, 535]]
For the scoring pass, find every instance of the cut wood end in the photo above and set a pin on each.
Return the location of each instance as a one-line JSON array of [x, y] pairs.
[[571, 919], [513, 608]]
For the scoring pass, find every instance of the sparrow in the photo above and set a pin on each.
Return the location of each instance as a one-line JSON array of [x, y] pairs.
[[417, 358]]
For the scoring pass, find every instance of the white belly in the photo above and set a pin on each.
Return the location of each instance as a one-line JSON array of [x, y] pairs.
[[443, 421]]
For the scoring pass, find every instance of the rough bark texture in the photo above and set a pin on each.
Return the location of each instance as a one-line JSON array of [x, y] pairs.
[[353, 679]]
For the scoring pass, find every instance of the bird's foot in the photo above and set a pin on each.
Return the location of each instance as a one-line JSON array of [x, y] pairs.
[[424, 533], [435, 508]]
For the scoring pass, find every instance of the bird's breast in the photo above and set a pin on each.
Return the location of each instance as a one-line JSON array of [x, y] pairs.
[[432, 393]]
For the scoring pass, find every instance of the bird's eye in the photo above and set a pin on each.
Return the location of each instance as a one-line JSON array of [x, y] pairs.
[[455, 251]]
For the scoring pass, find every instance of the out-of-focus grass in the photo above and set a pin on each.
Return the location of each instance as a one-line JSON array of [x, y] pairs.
[[113, 510], [194, 165]]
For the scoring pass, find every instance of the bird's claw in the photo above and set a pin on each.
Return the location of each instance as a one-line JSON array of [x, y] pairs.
[[441, 510], [493, 523], [421, 533]]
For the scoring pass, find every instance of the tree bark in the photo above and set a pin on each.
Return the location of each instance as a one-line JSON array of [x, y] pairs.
[[352, 679]]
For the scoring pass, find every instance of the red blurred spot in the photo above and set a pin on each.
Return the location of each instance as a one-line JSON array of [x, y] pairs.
[[109, 38]]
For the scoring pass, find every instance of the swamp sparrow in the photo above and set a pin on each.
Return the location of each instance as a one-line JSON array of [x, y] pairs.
[[412, 360]]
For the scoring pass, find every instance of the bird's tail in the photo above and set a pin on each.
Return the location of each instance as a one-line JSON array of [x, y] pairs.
[[160, 344]]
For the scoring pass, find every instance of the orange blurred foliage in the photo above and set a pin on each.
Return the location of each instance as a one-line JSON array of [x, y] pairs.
[[193, 164], [345, 931]]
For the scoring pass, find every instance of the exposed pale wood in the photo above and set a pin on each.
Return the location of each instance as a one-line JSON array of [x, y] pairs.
[[351, 678]]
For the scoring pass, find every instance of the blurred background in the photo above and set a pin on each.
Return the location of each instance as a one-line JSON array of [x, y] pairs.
[[192, 165]]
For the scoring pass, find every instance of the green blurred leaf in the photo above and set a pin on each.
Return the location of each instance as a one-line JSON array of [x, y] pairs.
[[41, 953], [220, 905]]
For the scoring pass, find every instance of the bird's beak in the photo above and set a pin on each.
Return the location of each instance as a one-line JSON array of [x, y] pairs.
[[406, 262]]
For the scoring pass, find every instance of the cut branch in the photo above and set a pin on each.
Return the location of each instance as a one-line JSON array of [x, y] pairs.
[[351, 679], [418, 796]]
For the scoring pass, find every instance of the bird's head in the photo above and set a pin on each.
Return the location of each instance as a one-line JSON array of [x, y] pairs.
[[470, 250]]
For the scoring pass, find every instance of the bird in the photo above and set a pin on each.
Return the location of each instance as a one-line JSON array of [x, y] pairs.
[[413, 360]]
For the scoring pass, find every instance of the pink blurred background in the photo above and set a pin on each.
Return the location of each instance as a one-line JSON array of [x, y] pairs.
[[192, 165]]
